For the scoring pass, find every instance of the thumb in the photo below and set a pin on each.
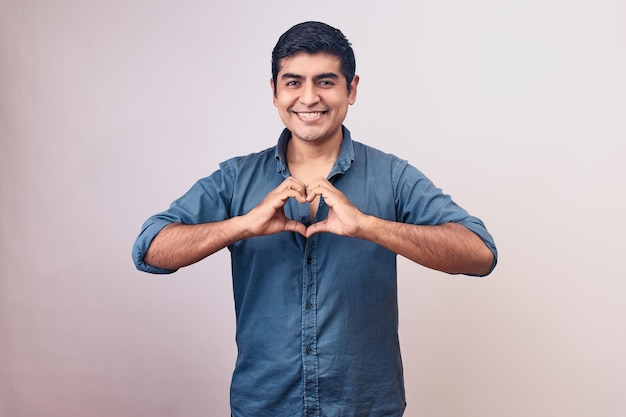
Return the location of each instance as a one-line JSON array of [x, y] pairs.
[[297, 227], [318, 227]]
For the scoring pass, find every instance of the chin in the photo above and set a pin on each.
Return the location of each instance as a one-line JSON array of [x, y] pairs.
[[307, 136]]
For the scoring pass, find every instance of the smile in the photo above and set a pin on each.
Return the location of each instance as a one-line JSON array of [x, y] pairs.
[[310, 115]]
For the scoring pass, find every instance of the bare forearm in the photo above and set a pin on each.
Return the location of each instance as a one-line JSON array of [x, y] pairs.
[[449, 247], [179, 245]]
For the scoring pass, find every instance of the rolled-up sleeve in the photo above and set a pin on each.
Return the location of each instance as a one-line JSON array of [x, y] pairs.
[[150, 229], [419, 201], [208, 200]]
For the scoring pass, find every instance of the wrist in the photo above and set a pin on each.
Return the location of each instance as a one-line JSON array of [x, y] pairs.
[[368, 227]]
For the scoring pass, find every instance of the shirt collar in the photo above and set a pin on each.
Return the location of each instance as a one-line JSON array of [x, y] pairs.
[[343, 163]]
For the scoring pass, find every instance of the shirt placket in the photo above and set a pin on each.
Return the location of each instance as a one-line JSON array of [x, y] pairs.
[[309, 330]]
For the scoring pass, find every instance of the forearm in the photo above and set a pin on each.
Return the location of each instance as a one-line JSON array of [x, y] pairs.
[[449, 247], [178, 245]]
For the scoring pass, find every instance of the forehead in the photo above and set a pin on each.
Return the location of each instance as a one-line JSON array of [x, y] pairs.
[[303, 63]]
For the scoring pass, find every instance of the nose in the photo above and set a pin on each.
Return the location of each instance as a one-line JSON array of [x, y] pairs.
[[309, 96]]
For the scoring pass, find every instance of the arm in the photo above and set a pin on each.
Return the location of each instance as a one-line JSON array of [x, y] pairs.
[[449, 247], [178, 245]]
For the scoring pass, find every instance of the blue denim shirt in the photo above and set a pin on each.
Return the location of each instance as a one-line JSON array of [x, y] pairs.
[[317, 318]]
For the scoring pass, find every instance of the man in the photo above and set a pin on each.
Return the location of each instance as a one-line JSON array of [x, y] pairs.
[[314, 225]]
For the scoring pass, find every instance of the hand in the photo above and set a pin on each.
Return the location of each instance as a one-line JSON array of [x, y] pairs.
[[343, 217], [269, 218]]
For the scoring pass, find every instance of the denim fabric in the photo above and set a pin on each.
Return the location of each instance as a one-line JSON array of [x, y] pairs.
[[317, 318]]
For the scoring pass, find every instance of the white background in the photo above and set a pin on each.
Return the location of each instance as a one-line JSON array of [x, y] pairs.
[[110, 109]]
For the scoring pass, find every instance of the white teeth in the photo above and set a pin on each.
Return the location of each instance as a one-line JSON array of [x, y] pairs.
[[311, 115]]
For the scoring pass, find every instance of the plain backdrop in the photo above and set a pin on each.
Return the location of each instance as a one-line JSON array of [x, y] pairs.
[[111, 109]]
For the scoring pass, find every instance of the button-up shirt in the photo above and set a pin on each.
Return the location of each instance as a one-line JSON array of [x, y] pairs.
[[316, 318]]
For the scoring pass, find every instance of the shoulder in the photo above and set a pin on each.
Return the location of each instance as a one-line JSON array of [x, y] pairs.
[[251, 157], [253, 160], [378, 159], [370, 151]]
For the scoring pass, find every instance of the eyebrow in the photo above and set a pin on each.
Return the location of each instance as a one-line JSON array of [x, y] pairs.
[[323, 75]]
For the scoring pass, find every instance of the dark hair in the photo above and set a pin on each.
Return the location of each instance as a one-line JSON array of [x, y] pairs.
[[312, 38]]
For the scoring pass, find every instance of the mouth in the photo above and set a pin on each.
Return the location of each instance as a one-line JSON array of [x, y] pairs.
[[310, 115]]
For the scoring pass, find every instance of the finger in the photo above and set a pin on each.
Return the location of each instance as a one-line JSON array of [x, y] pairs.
[[278, 199], [315, 189], [298, 195], [296, 188], [318, 227], [292, 185], [324, 189], [297, 227]]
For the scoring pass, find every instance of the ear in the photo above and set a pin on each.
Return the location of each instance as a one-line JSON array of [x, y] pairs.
[[353, 86], [273, 91]]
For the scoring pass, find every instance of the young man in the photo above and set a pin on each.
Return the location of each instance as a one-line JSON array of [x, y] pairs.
[[314, 225]]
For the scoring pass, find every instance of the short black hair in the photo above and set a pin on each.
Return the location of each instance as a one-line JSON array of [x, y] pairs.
[[312, 38]]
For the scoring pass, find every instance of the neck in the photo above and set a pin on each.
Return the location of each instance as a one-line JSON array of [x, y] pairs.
[[303, 152]]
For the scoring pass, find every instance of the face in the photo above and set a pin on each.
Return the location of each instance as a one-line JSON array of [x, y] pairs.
[[312, 96]]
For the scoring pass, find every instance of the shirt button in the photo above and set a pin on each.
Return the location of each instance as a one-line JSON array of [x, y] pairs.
[[308, 351], [309, 306], [309, 260]]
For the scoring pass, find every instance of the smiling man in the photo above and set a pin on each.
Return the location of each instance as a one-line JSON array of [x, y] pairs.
[[314, 226], [312, 96]]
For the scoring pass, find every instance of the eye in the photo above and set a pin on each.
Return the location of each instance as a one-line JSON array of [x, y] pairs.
[[326, 83], [292, 83]]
